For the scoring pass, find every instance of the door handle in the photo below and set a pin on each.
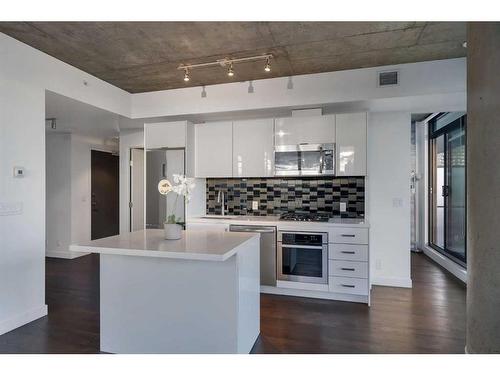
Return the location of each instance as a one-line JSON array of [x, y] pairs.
[[348, 285], [348, 252], [347, 269], [348, 235]]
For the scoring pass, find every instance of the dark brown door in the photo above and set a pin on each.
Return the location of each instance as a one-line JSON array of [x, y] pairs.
[[105, 182]]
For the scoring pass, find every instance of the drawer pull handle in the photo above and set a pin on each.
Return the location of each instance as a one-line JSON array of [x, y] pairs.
[[348, 252], [347, 269], [348, 235], [348, 286]]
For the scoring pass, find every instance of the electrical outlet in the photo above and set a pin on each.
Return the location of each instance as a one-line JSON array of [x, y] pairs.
[[255, 205], [343, 206]]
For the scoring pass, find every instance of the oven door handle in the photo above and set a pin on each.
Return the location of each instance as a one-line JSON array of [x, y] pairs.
[[287, 246]]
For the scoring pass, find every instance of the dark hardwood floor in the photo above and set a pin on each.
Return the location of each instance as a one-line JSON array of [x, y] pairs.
[[430, 318]]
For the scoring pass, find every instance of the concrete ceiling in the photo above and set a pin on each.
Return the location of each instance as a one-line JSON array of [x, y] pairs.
[[144, 56]]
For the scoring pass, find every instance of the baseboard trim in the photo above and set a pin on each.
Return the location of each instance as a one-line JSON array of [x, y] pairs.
[[64, 254], [398, 282], [23, 318], [455, 269], [314, 294]]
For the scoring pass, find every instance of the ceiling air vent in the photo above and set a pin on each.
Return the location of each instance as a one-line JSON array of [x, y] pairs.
[[388, 78]]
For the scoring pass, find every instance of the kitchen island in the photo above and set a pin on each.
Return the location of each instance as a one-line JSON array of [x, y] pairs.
[[199, 294]]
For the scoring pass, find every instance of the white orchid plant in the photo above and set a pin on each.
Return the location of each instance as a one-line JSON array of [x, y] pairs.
[[182, 186]]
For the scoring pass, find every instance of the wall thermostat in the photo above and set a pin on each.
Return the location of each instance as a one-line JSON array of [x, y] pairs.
[[18, 172]]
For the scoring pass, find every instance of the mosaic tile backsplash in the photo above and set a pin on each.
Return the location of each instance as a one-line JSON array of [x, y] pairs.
[[291, 194]]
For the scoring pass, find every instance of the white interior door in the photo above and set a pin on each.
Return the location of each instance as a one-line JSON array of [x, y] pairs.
[[136, 189]]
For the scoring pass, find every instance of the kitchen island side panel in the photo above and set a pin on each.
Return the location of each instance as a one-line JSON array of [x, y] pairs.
[[160, 305]]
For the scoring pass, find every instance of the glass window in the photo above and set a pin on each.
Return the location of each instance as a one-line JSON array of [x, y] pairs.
[[447, 187]]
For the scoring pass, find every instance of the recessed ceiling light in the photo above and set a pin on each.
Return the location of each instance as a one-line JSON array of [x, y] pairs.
[[464, 44]]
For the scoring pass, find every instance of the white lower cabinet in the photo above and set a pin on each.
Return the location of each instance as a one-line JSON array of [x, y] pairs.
[[349, 285], [348, 262], [208, 226], [348, 268]]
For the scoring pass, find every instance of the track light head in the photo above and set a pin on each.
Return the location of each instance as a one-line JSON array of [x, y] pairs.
[[289, 85], [267, 67], [203, 92], [230, 71], [186, 75], [250, 87]]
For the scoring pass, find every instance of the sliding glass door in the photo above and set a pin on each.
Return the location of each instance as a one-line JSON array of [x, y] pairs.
[[447, 188]]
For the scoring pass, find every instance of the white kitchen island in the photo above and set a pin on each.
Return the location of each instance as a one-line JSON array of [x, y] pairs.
[[199, 294]]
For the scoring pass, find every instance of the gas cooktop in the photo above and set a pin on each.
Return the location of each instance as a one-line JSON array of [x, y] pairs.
[[304, 216]]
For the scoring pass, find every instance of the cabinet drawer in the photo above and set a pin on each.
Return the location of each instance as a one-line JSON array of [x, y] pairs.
[[347, 268], [348, 285], [350, 235], [342, 251]]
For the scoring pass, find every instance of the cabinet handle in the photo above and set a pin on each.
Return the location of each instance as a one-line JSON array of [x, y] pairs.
[[348, 252], [347, 269], [348, 285], [348, 235]]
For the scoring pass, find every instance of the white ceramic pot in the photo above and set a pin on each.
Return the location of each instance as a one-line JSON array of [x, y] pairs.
[[172, 231]]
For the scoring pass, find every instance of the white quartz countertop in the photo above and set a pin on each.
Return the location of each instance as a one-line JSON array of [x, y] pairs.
[[275, 220], [194, 245]]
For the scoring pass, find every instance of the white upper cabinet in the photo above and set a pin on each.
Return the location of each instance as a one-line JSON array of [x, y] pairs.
[[214, 149], [253, 147], [351, 144], [165, 134], [312, 130]]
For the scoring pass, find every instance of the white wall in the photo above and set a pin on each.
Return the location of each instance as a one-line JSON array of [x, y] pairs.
[[388, 197], [423, 84], [58, 190], [25, 74], [128, 139], [68, 208]]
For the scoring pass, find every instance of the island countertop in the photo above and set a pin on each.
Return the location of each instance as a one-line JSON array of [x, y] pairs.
[[194, 245]]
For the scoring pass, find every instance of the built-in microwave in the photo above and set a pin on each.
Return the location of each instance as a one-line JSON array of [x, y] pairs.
[[304, 160]]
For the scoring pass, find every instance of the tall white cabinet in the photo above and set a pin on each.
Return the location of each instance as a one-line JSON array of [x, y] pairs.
[[253, 146], [214, 149], [350, 131]]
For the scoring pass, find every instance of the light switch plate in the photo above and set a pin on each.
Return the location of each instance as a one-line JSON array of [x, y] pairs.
[[343, 206], [255, 205], [18, 172]]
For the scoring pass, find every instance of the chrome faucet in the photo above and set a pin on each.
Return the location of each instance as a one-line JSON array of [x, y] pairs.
[[221, 199]]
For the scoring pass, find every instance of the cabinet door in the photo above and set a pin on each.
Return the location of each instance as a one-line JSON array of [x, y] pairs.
[[313, 130], [214, 149], [351, 144], [165, 134], [253, 147]]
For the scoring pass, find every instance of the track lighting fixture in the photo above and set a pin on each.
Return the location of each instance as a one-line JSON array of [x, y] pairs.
[[203, 92], [250, 87], [230, 70], [289, 85], [227, 63], [267, 67]]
